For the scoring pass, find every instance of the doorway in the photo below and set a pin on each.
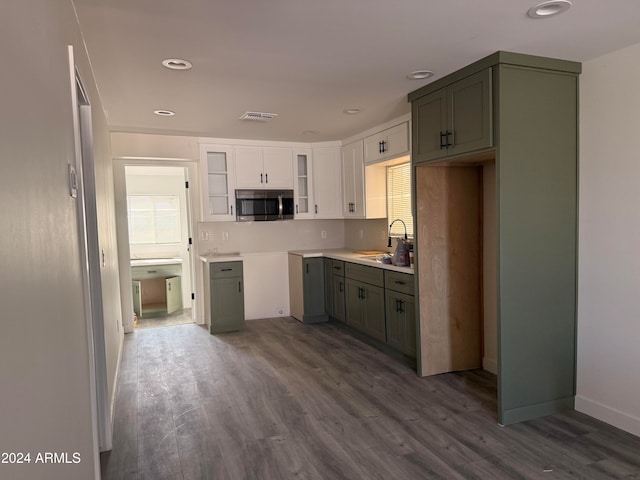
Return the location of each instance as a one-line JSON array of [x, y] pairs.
[[159, 245], [154, 219]]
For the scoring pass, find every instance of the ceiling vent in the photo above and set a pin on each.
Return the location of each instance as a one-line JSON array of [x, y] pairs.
[[258, 116]]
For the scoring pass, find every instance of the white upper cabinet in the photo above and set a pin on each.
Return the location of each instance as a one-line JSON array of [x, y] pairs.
[[390, 143], [327, 187], [303, 191], [278, 167], [364, 189], [264, 167], [218, 183]]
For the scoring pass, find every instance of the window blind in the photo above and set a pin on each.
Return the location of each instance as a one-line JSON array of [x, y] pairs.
[[154, 219], [399, 198]]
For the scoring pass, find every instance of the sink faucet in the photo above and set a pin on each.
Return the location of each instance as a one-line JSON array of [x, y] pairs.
[[405, 230]]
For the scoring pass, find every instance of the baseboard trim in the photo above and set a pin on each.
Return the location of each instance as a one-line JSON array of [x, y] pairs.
[[490, 365], [609, 415], [529, 412]]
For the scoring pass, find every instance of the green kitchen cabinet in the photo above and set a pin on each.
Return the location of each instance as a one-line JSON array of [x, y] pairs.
[[339, 300], [401, 322], [453, 120], [364, 301], [226, 297], [533, 161], [307, 289], [401, 311]]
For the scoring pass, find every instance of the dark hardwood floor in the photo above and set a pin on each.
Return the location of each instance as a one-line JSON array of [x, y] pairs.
[[284, 400]]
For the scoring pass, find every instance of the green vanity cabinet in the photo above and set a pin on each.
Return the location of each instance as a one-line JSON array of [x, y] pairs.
[[307, 289], [365, 300], [226, 297], [453, 120], [401, 311], [532, 165]]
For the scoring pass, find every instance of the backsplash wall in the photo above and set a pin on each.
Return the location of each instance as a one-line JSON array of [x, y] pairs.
[[367, 234], [262, 237]]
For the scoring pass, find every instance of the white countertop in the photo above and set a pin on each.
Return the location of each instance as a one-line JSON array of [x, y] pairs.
[[349, 255], [221, 257], [143, 262]]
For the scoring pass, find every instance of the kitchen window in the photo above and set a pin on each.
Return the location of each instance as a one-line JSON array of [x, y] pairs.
[[154, 219], [399, 198]]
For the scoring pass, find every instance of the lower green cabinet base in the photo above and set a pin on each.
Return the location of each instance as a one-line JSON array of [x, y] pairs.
[[521, 414]]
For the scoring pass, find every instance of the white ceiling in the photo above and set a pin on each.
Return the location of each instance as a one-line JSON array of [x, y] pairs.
[[308, 60]]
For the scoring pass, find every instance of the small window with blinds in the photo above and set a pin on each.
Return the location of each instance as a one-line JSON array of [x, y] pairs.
[[399, 198]]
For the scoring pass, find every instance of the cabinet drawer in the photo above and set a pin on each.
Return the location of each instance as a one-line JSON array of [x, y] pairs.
[[225, 269], [337, 267], [370, 275], [399, 282]]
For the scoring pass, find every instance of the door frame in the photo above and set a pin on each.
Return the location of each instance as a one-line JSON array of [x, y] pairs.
[[122, 230], [82, 177]]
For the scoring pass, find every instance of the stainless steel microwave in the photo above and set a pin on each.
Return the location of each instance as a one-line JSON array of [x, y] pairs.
[[264, 205]]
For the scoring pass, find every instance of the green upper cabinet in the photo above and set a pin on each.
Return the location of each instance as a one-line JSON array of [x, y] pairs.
[[453, 120]]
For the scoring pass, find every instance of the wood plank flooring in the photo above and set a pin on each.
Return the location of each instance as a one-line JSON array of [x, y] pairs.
[[283, 400]]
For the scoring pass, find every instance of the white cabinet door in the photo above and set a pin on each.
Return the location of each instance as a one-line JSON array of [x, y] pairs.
[[278, 167], [327, 187], [249, 167], [353, 180], [303, 192], [390, 143], [217, 176]]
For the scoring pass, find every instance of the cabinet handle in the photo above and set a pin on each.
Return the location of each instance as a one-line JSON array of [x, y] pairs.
[[239, 287], [307, 268], [226, 269], [152, 271], [401, 306], [296, 208], [443, 135], [363, 293], [384, 147], [399, 282], [266, 176], [340, 287], [336, 268], [169, 286], [231, 209], [380, 146], [449, 143], [316, 209], [260, 178]]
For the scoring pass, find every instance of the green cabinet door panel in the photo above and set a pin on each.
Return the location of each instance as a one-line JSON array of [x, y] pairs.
[[227, 305], [339, 299], [328, 287], [537, 194], [454, 120], [354, 305], [313, 290], [373, 299], [401, 322]]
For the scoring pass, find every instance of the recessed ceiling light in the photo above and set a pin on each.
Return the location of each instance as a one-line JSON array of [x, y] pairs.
[[549, 9], [310, 132], [351, 111], [177, 64], [164, 113], [420, 75]]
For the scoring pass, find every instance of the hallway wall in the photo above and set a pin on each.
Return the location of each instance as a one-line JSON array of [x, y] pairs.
[[44, 355]]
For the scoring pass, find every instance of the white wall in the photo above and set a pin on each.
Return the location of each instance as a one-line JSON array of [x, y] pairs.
[[608, 379], [44, 360]]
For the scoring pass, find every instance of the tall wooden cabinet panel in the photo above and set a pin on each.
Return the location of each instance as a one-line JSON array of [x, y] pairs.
[[535, 127]]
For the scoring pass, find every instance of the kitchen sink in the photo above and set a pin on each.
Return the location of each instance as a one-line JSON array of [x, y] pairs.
[[374, 258]]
